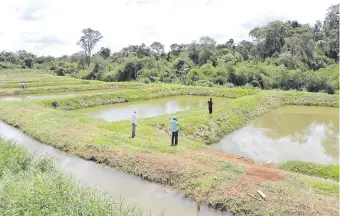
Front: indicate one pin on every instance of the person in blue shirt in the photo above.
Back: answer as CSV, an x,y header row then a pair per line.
x,y
174,129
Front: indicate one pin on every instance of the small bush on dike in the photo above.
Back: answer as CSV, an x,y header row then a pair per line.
x,y
312,169
31,186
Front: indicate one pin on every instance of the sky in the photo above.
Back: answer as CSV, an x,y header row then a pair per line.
x,y
53,27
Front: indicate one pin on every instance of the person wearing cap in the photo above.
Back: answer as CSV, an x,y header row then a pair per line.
x,y
210,105
134,123
174,129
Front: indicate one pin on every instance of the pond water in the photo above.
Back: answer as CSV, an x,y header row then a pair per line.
x,y
150,108
146,196
288,133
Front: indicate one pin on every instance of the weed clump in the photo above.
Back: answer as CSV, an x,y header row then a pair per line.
x,y
55,104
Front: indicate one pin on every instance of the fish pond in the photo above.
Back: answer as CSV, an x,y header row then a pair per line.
x,y
150,108
289,133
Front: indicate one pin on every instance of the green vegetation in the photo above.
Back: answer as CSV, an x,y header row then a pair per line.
x,y
41,83
328,187
313,169
53,83
192,168
32,186
283,55
84,101
68,88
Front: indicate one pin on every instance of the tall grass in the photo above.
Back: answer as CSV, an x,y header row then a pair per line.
x,y
34,187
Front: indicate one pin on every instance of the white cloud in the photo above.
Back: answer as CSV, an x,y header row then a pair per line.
x,y
52,27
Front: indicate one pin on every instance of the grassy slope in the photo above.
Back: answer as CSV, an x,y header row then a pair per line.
x,y
205,175
313,169
70,88
11,77
42,83
33,187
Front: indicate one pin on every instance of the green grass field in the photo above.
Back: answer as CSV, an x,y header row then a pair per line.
x,y
32,186
193,168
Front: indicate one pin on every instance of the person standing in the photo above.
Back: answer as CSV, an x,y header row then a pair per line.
x,y
134,123
174,129
210,105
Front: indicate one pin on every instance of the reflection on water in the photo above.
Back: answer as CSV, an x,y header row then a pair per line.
x,y
147,196
149,108
288,133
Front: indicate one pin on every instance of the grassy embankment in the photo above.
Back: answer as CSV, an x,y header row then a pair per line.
x,y
26,75
313,169
84,101
71,88
31,186
206,175
41,83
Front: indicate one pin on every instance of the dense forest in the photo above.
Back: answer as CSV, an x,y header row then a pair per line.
x,y
284,55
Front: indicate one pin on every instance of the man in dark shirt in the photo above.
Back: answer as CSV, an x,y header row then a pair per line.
x,y
210,104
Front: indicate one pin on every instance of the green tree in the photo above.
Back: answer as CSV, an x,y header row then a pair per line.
x,y
318,31
193,52
88,41
157,47
28,62
80,59
105,52
270,38
301,45
207,50
244,48
331,27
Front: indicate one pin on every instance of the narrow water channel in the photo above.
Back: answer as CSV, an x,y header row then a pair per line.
x,y
55,95
289,133
146,196
150,108
34,97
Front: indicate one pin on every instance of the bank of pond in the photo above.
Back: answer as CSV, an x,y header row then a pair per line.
x,y
298,133
37,173
301,139
132,195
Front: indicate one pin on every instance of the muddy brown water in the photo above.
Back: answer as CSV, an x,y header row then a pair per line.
x,y
289,133
146,196
150,108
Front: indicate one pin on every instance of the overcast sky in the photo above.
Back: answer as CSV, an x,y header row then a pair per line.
x,y
53,27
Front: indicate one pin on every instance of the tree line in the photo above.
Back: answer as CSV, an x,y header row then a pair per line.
x,y
285,55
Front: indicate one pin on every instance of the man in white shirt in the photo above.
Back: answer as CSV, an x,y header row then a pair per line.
x,y
134,123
